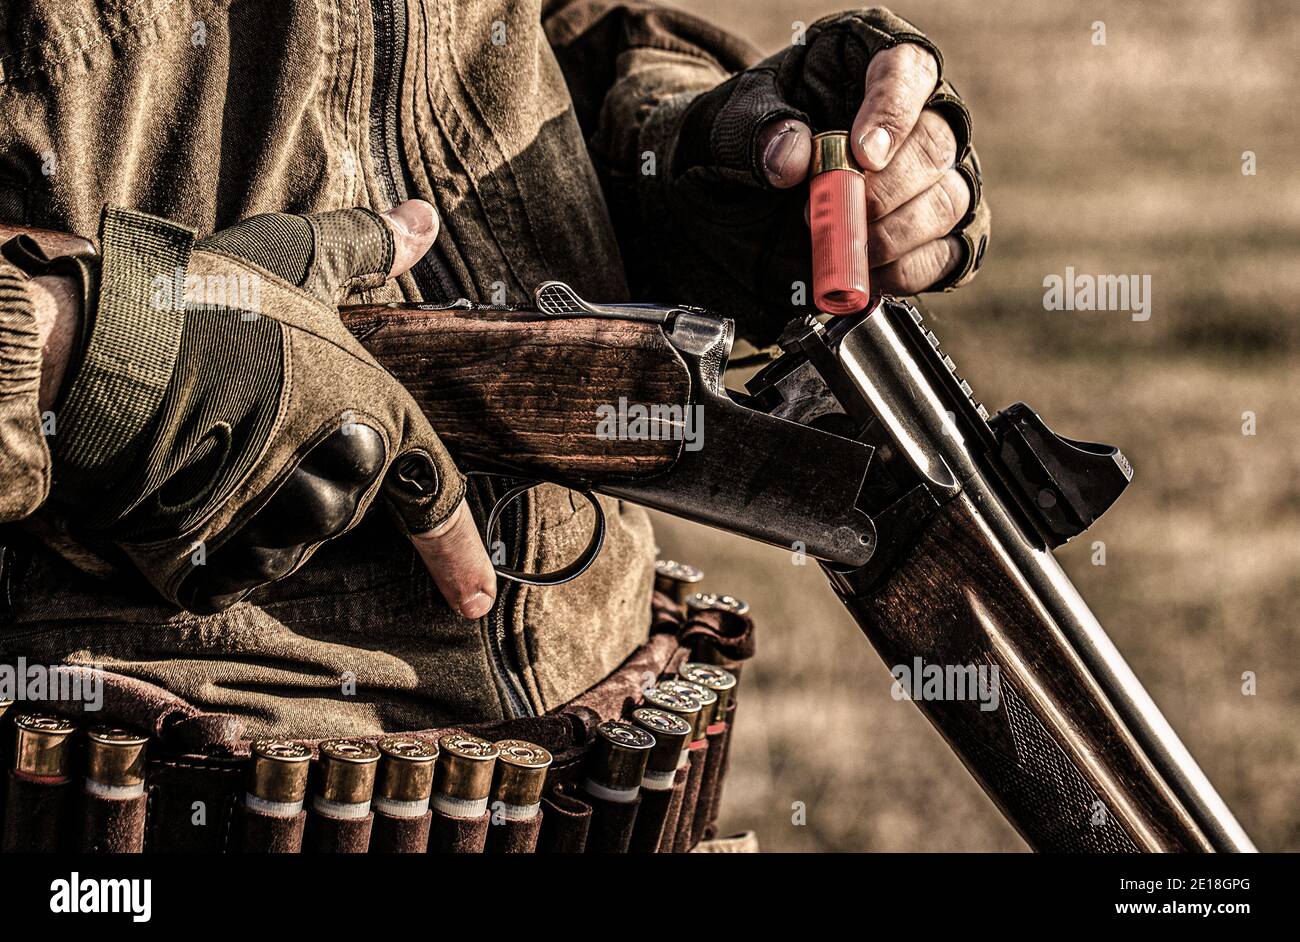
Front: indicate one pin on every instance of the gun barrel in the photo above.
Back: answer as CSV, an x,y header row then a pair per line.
x,y
1068,743
1131,700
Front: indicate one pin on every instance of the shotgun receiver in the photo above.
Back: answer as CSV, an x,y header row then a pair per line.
x,y
862,447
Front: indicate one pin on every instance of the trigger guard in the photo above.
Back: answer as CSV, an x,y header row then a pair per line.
x,y
564,574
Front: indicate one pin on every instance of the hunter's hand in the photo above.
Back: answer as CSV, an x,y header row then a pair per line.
x,y
915,195
253,427
453,552
739,155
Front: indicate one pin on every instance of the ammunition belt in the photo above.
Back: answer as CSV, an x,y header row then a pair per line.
x,y
623,768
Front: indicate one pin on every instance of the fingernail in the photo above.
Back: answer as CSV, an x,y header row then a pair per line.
x,y
476,606
778,152
875,145
414,217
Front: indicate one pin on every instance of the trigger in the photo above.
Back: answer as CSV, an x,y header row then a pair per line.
x,y
559,576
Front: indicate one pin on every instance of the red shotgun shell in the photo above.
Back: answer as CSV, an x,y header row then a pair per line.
x,y
838,217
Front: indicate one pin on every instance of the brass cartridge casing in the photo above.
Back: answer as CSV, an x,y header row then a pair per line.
x,y
718,679
278,772
672,577
708,701
43,745
683,703
672,734
711,601
115,757
618,755
405,768
520,772
347,770
465,767
831,152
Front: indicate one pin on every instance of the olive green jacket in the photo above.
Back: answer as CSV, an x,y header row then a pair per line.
x,y
513,118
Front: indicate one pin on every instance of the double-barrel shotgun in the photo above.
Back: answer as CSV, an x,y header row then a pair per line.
x,y
860,446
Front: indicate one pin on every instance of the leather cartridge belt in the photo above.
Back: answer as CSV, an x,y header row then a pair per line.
x,y
622,768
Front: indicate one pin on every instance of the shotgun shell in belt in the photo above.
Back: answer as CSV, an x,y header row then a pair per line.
x,y
462,780
672,577
115,762
672,735
708,701
347,778
405,778
837,215
520,777
718,679
682,703
42,750
617,761
711,601
278,777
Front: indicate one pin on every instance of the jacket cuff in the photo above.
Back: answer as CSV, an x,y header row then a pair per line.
x,y
129,357
24,457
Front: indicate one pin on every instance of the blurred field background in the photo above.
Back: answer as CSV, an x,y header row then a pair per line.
x,y
1122,158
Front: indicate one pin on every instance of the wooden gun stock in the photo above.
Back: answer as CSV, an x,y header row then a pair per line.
x,y
522,393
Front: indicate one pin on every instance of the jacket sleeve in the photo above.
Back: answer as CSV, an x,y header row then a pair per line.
x,y
621,60
24,456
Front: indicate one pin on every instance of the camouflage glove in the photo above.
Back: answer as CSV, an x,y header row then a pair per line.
x,y
747,236
221,423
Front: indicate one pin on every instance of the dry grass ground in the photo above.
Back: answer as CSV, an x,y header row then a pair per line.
x,y
1123,158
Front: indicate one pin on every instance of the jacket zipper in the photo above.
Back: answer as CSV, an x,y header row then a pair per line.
x,y
436,281
433,276
498,624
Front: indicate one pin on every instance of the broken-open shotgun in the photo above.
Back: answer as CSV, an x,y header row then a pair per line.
x,y
862,447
